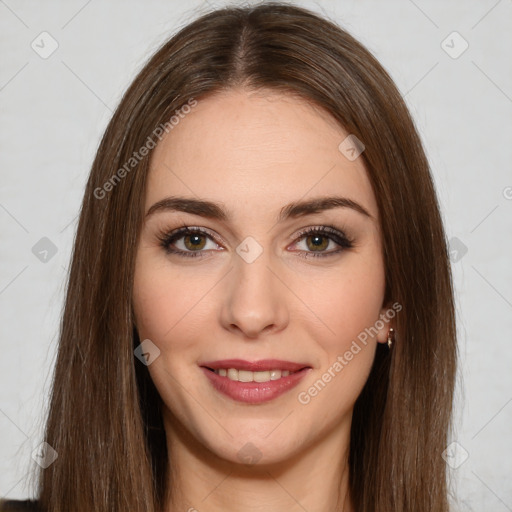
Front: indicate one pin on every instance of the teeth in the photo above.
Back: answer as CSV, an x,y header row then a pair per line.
x,y
247,376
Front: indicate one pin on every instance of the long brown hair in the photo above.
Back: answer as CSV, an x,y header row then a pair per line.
x,y
105,414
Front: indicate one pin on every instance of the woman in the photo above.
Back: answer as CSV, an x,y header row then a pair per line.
x,y
260,311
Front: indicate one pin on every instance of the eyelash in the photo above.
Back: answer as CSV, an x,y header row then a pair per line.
x,y
330,232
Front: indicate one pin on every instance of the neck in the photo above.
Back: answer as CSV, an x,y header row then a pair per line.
x,y
315,478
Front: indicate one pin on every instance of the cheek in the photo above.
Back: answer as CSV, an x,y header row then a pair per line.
x,y
151,306
348,309
163,300
347,303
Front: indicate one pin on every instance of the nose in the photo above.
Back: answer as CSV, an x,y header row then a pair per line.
x,y
256,298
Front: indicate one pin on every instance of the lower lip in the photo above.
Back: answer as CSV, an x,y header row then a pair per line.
x,y
254,392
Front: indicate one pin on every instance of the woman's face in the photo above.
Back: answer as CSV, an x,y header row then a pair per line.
x,y
251,286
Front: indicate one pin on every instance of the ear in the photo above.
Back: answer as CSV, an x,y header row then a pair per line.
x,y
386,321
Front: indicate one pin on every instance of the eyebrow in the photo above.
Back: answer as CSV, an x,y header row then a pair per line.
x,y
216,211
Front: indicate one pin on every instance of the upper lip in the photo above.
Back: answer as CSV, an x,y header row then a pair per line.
x,y
255,366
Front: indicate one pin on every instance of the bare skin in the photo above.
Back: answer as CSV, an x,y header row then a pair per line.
x,y
254,153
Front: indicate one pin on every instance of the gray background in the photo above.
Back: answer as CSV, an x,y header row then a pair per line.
x,y
54,110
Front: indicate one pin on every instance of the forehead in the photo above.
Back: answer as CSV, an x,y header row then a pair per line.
x,y
255,151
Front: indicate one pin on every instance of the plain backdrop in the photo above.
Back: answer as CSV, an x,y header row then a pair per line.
x,y
451,61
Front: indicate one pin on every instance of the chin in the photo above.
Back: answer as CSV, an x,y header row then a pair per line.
x,y
246,447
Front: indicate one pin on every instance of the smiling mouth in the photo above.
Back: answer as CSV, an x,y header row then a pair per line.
x,y
254,382
260,371
250,376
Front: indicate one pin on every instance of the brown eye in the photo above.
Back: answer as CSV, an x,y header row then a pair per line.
x,y
187,242
193,242
318,242
318,239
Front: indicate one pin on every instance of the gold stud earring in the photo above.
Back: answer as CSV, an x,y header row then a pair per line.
x,y
390,337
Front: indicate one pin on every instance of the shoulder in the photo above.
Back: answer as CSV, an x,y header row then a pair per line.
x,y
19,505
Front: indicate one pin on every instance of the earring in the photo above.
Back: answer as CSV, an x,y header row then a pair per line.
x,y
390,337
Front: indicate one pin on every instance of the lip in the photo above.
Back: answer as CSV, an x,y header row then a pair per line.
x,y
255,392
255,366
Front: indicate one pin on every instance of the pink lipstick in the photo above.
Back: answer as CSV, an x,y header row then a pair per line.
x,y
254,382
